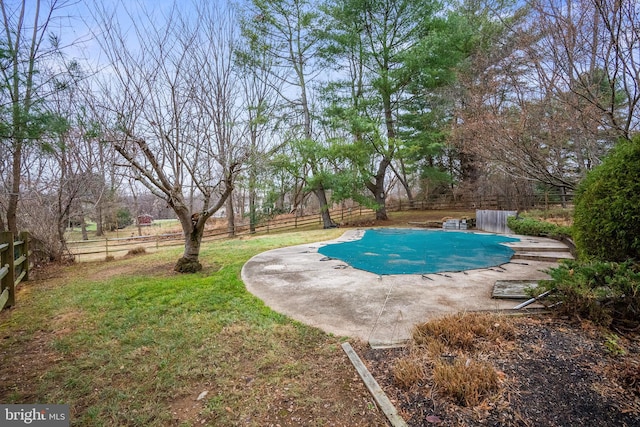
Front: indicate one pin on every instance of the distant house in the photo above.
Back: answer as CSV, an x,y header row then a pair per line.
x,y
145,219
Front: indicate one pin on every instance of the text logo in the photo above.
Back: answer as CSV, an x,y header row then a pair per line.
x,y
34,415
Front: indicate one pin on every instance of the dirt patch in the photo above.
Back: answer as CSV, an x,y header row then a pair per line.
x,y
188,409
121,267
117,268
554,373
64,323
24,364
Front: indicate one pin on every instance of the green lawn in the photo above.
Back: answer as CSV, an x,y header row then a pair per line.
x,y
130,342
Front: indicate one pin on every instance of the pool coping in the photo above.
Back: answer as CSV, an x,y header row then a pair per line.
x,y
381,309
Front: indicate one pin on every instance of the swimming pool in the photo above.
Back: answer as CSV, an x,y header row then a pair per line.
x,y
410,251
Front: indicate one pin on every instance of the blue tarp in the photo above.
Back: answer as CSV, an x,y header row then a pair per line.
x,y
408,251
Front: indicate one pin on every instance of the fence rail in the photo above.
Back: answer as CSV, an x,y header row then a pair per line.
x,y
545,200
87,250
14,260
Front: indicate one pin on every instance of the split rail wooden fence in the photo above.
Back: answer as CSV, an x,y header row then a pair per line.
x,y
97,249
14,266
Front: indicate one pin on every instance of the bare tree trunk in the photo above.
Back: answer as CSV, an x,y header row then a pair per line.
x,y
381,200
563,196
193,228
99,226
83,226
404,181
231,218
252,201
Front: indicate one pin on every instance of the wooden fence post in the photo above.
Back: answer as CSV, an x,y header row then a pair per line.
x,y
546,201
8,281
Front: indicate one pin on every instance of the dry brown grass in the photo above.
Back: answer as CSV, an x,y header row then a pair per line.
x,y
626,372
464,331
138,250
468,381
445,357
409,371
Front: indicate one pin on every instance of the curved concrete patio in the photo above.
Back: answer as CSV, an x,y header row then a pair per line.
x,y
328,294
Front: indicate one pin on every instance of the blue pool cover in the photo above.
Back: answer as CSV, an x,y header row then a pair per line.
x,y
408,251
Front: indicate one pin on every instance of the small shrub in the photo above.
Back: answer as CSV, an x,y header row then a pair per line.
x,y
613,346
462,331
138,250
409,371
528,226
466,382
444,356
606,293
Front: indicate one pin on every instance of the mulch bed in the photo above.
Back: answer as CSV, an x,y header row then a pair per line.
x,y
556,373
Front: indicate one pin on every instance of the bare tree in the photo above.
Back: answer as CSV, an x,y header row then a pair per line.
x,y
217,90
104,178
26,44
171,98
588,55
547,100
260,120
62,174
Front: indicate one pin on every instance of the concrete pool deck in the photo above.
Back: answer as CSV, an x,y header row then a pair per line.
x,y
326,293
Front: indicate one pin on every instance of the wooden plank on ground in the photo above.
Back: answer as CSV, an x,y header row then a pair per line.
x,y
374,388
513,289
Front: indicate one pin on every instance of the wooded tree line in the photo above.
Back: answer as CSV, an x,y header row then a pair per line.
x,y
261,106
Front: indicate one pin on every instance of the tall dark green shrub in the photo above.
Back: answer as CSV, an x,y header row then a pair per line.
x,y
607,211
